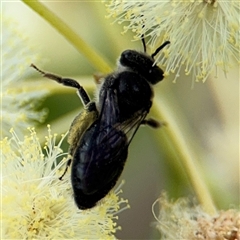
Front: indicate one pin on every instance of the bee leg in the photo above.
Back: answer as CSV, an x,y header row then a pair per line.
x,y
67,166
153,123
67,82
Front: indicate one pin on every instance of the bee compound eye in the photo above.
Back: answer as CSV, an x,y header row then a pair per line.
x,y
126,58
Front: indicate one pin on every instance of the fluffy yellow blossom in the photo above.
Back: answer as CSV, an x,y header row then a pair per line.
x,y
203,34
184,220
37,205
18,103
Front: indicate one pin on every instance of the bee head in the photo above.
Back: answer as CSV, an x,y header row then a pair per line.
x,y
143,64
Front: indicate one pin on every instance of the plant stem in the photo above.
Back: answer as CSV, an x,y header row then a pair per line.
x,y
93,57
186,155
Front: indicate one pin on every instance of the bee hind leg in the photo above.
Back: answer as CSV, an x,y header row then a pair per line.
x,y
65,171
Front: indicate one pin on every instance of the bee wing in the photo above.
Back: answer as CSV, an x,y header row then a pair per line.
x,y
99,159
109,110
110,116
130,126
104,148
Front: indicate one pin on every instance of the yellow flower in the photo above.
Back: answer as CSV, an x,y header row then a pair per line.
x,y
37,205
184,220
203,34
18,101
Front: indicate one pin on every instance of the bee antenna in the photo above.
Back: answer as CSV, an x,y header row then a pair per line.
x,y
144,44
36,68
160,48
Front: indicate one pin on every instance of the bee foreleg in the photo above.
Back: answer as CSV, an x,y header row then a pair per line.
x,y
67,82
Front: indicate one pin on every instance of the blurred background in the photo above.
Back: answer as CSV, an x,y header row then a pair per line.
x,y
209,113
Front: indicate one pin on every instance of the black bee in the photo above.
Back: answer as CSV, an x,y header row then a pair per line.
x,y
100,135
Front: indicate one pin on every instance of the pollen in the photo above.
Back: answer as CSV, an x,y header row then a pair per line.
x,y
184,219
202,33
37,205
